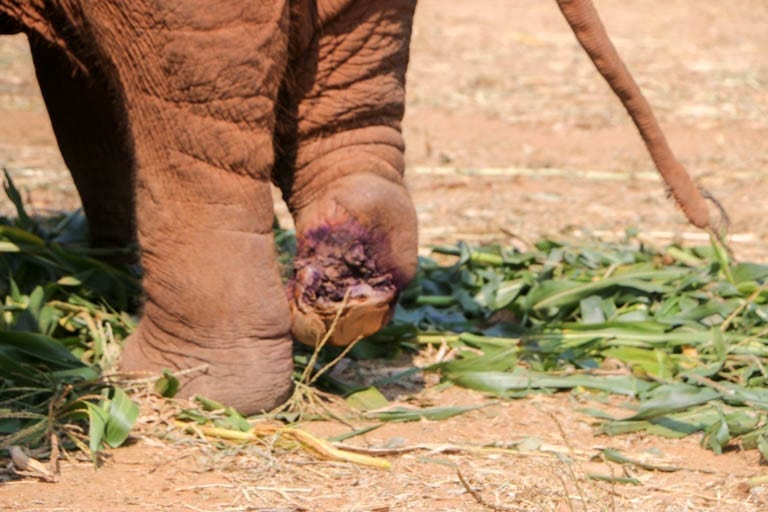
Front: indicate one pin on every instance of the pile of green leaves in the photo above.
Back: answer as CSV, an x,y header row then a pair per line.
x,y
683,332
63,314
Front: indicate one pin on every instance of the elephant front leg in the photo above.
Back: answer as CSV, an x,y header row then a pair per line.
x,y
341,169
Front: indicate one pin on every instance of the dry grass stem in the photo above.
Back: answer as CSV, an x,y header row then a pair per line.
x,y
306,376
137,378
742,306
482,501
287,437
24,465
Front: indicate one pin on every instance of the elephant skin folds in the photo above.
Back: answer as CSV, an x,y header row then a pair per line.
x,y
212,100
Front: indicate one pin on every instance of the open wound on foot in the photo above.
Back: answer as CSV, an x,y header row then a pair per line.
x,y
331,262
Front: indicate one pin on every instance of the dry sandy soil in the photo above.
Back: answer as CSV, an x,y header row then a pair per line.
x,y
511,135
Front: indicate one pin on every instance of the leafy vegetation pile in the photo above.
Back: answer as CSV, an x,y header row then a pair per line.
x,y
683,332
63,316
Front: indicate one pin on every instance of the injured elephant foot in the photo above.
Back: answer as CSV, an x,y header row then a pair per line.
x,y
356,250
337,274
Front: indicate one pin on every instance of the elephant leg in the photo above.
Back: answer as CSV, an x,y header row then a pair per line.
x,y
91,129
200,84
341,165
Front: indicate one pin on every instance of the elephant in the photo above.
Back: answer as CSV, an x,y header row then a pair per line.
x,y
174,116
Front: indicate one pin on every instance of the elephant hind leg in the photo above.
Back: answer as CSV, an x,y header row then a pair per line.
x,y
217,312
340,168
201,101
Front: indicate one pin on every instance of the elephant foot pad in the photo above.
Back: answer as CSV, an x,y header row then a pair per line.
x,y
334,261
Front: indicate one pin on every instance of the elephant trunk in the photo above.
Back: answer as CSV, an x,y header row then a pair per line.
x,y
590,32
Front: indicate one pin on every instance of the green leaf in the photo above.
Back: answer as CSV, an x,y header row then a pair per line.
x,y
13,194
208,404
24,238
38,348
671,398
736,394
123,413
440,301
69,281
596,413
97,426
592,310
6,246
762,446
358,432
404,414
494,359
367,399
168,385
233,420
744,272
717,436
742,422
501,383
502,295
552,294
618,457
673,425
655,362
29,433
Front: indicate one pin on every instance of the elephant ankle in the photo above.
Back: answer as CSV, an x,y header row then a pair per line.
x,y
252,376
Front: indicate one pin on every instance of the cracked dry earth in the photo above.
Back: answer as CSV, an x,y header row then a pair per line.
x,y
511,136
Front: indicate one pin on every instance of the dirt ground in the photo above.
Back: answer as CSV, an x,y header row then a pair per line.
x,y
511,135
